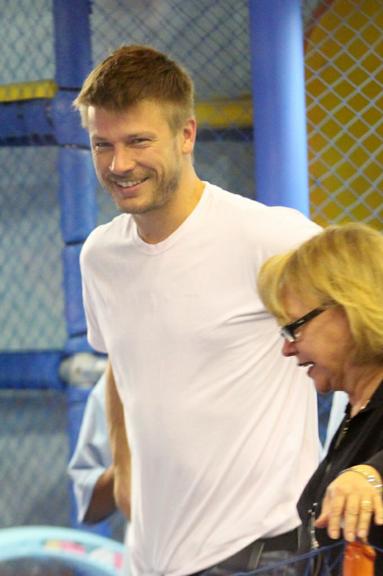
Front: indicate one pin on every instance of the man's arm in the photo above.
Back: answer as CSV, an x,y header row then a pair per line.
x,y
102,503
119,444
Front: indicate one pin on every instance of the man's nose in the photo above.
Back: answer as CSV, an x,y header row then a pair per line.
x,y
122,161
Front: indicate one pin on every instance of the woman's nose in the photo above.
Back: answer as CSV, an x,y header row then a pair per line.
x,y
288,348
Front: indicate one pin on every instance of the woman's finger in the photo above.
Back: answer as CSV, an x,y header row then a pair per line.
x,y
366,508
351,517
378,507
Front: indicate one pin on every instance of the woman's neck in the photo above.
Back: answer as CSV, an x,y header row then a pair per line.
x,y
362,385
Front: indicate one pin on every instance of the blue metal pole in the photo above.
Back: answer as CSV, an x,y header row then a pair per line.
x,y
280,140
72,42
77,190
77,182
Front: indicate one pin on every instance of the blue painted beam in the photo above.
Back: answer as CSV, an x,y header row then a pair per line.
x,y
34,369
72,42
280,142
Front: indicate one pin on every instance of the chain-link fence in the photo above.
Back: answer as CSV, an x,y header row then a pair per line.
x,y
344,80
344,73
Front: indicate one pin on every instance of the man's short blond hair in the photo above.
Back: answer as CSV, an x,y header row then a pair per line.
x,y
136,73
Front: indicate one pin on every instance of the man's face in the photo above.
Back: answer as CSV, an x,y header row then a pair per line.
x,y
138,158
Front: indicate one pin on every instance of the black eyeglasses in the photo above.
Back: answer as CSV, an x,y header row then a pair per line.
x,y
288,331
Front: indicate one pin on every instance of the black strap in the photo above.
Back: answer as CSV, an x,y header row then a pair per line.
x,y
248,558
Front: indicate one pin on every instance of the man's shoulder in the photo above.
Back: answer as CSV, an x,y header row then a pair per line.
x,y
265,229
231,201
253,208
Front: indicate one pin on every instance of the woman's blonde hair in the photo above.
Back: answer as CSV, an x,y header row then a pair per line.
x,y
342,265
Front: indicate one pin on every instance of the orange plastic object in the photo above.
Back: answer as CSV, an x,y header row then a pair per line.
x,y
358,559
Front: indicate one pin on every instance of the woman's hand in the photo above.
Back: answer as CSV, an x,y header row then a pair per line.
x,y
350,502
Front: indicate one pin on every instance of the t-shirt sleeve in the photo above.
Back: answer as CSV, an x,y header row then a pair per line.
x,y
275,229
89,296
94,333
290,228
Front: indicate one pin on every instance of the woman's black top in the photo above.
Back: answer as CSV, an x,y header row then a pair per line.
x,y
358,440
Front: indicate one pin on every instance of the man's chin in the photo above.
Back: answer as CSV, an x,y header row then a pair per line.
x,y
129,205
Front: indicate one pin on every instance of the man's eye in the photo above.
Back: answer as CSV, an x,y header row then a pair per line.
x,y
100,145
139,141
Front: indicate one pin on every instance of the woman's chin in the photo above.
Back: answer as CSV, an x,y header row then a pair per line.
x,y
322,386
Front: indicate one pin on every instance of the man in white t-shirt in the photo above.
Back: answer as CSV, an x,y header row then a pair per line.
x,y
213,433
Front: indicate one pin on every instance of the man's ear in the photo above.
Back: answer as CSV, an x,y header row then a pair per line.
x,y
189,134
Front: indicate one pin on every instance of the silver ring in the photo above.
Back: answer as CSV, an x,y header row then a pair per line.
x,y
366,505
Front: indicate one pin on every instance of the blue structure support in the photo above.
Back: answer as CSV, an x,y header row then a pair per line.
x,y
77,182
280,140
77,192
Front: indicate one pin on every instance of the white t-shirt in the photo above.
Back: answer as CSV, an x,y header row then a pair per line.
x,y
222,428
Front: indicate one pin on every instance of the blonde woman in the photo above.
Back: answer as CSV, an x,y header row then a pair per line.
x,y
327,295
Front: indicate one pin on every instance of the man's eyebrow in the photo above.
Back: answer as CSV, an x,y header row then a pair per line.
x,y
141,134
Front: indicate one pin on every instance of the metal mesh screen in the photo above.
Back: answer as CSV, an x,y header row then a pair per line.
x,y
31,311
209,38
26,41
33,423
344,78
33,455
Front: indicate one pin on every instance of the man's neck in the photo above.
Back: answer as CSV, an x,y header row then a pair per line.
x,y
157,225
